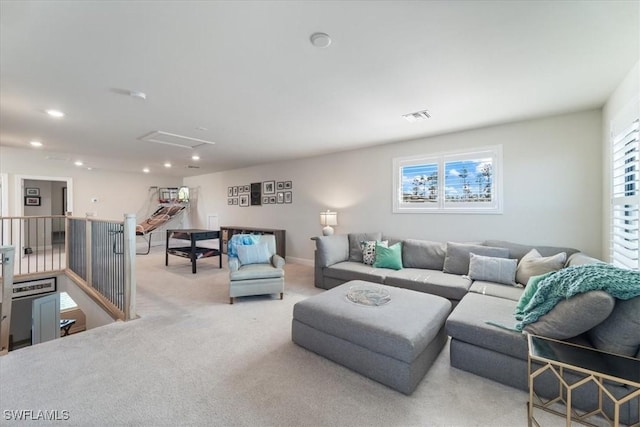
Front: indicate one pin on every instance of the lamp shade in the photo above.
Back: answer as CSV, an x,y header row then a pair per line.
x,y
328,218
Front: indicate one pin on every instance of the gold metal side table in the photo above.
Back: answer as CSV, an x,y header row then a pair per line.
x,y
593,366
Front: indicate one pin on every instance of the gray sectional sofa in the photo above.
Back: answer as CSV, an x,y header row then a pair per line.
x,y
477,344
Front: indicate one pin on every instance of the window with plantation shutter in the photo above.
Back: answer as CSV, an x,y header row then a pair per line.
x,y
625,191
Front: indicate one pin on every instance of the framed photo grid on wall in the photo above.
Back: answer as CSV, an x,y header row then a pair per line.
x,y
270,192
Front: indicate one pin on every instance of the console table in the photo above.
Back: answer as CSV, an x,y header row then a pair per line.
x,y
596,366
229,231
193,251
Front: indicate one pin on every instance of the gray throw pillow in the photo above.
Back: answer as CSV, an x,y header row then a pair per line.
x,y
620,332
355,251
492,269
534,264
573,316
458,255
423,254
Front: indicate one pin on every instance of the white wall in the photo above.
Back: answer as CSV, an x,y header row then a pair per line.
x,y
627,92
552,189
117,193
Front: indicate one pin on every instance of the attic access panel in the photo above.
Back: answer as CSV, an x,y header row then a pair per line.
x,y
167,138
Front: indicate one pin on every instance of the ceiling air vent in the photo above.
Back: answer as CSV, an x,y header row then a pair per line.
x,y
192,167
417,116
172,139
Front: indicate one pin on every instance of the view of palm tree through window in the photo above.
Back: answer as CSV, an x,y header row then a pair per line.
x,y
464,181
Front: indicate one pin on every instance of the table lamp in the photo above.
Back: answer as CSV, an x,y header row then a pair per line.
x,y
328,219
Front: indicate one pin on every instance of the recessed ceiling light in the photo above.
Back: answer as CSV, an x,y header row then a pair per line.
x,y
78,163
89,168
195,157
167,165
320,40
55,113
36,143
145,170
417,116
137,94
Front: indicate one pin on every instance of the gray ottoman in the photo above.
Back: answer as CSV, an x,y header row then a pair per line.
x,y
394,343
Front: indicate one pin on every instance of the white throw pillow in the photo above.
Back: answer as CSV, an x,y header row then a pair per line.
x,y
253,254
534,264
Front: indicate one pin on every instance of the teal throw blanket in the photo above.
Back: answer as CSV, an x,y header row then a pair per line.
x,y
619,283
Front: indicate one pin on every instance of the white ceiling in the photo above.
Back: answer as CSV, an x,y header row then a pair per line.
x,y
247,72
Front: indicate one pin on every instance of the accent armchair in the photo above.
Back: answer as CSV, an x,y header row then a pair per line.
x,y
257,269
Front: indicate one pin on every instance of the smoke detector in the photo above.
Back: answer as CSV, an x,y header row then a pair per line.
x,y
320,40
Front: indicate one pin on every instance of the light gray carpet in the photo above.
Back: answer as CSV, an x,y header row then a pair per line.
x,y
194,359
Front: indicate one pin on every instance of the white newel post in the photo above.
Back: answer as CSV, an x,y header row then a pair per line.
x,y
129,266
7,253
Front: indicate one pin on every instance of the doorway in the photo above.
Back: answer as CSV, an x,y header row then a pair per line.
x,y
43,196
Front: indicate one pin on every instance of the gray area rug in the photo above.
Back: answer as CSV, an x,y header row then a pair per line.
x,y
194,359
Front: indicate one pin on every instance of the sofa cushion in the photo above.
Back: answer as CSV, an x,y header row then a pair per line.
x,y
349,270
573,316
620,332
423,254
492,269
332,249
450,286
496,290
457,256
389,257
368,248
518,251
534,264
468,323
355,252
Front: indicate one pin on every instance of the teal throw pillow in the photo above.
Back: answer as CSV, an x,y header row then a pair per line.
x,y
390,257
530,290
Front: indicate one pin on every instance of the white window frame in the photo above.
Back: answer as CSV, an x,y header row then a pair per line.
x,y
441,205
624,236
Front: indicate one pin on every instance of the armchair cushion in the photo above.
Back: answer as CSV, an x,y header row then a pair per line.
x,y
256,271
253,254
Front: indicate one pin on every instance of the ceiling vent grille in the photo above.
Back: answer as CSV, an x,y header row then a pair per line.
x,y
417,116
167,138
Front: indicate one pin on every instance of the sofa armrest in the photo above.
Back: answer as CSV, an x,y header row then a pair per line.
x,y
234,264
332,249
277,261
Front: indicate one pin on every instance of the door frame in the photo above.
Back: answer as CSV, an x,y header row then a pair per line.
x,y
18,208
